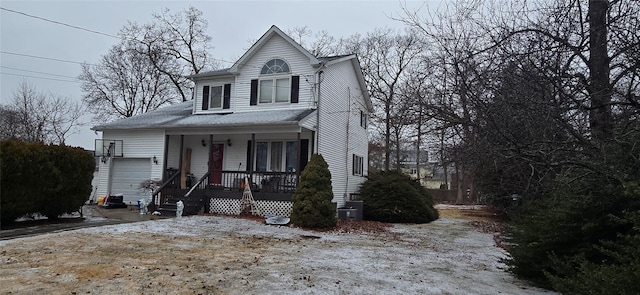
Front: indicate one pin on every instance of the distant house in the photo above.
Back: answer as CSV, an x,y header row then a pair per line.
x,y
262,118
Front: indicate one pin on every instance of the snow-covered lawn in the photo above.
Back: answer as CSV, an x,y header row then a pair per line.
x,y
224,255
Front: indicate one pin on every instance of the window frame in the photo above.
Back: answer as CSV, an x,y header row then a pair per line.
x,y
283,155
225,98
274,88
363,119
211,86
357,165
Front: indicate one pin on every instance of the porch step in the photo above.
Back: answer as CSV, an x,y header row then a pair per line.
x,y
192,206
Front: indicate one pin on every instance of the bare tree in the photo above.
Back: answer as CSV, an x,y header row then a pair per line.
x,y
319,44
37,117
176,45
149,67
386,58
124,84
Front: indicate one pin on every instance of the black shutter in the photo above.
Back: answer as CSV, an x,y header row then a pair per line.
x,y
254,92
205,98
295,88
304,154
226,103
249,161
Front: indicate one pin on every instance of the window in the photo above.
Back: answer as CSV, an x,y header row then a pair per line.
x,y
216,96
278,156
275,90
291,163
276,84
357,165
363,119
275,66
262,154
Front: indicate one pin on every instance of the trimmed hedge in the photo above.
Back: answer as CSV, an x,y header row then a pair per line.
x,y
390,196
312,207
46,179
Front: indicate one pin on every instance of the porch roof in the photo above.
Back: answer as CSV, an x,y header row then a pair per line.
x,y
180,116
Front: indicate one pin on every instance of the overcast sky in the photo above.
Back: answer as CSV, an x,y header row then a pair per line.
x,y
232,24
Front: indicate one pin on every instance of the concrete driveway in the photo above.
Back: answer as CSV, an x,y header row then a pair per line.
x,y
93,215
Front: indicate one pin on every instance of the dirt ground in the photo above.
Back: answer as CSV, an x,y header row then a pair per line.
x,y
226,255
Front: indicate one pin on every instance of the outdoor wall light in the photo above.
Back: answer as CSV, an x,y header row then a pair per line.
x,y
155,160
229,142
204,143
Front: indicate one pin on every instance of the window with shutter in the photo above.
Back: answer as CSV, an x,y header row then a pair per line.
x,y
213,96
276,84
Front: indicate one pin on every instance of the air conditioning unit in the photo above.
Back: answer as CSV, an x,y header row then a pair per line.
x,y
347,214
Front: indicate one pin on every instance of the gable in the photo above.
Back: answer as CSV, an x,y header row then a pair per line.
x,y
273,31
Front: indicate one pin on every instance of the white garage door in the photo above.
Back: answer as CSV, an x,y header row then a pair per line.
x,y
126,177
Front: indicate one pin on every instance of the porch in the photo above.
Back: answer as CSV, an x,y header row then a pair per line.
x,y
219,186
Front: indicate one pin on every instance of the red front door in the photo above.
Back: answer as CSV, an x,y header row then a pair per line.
x,y
215,163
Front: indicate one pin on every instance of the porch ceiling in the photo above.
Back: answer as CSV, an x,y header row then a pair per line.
x,y
180,116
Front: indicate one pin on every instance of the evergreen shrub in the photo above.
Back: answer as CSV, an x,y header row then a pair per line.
x,y
578,236
390,196
46,179
312,207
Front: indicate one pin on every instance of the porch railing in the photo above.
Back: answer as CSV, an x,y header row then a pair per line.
x,y
172,183
276,182
200,184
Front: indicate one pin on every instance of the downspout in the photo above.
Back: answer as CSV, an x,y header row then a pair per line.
x,y
319,73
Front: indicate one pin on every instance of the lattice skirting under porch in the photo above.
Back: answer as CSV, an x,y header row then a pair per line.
x,y
232,207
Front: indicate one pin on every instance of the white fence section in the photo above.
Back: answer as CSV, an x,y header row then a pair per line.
x,y
232,207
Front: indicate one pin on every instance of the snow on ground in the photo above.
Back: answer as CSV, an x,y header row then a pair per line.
x,y
224,255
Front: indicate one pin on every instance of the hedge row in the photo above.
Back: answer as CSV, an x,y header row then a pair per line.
x,y
46,179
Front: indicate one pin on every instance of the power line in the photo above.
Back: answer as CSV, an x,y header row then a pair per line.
x,y
47,58
60,23
44,78
89,30
43,73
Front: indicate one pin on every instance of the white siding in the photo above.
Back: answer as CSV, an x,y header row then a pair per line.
x,y
340,105
299,65
198,94
135,144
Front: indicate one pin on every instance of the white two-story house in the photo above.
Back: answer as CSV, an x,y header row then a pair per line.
x,y
260,119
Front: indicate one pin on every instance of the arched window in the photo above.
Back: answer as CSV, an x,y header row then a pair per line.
x,y
275,84
275,66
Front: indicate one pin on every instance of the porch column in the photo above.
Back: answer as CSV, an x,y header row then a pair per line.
x,y
180,162
164,167
166,155
298,160
209,155
253,155
313,142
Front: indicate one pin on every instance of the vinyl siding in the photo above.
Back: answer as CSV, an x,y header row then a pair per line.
x,y
218,82
299,65
339,92
136,144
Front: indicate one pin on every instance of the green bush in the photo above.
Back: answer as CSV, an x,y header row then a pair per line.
x,y
36,178
312,207
617,273
566,237
26,178
75,167
390,196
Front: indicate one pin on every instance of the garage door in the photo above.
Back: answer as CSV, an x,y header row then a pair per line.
x,y
126,177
